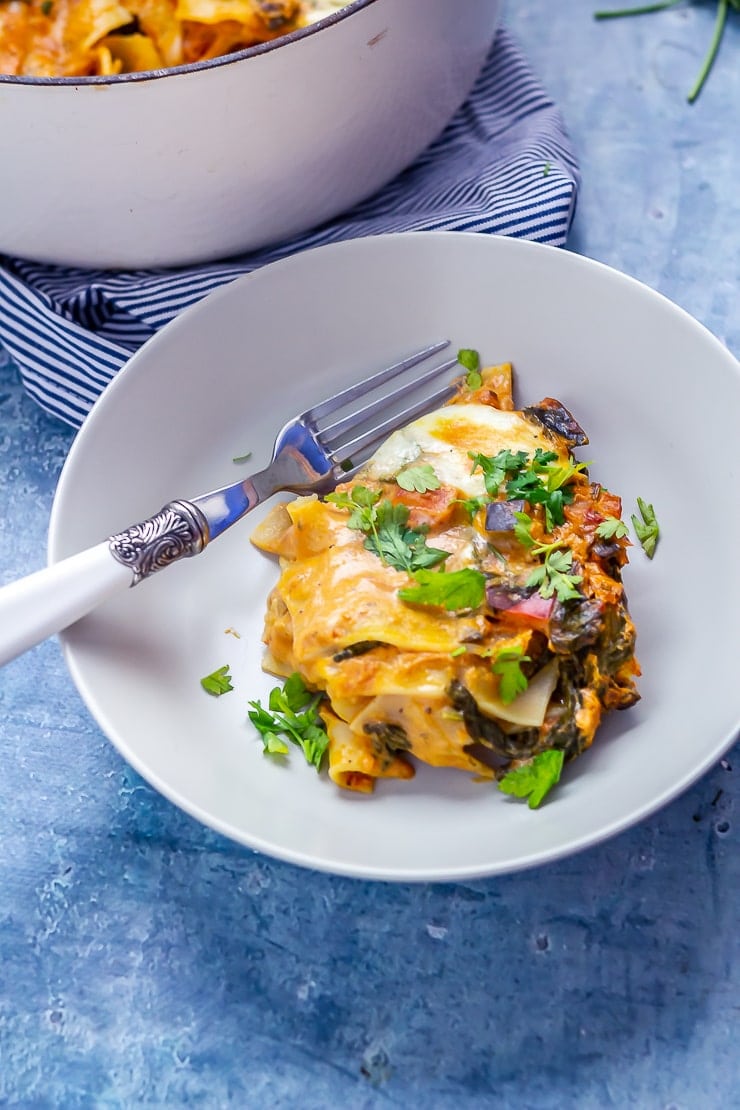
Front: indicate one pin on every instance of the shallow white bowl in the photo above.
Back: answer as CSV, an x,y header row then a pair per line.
x,y
660,399
211,159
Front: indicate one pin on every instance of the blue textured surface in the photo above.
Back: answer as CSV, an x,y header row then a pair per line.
x,y
147,961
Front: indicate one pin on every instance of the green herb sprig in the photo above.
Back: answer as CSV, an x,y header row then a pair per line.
x,y
420,478
535,779
470,360
723,10
647,530
387,530
512,679
535,480
292,715
553,576
496,468
453,590
612,527
217,683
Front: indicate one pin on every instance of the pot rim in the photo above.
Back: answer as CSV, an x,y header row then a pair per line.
x,y
349,9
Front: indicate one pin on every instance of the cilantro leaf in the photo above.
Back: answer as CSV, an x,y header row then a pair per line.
x,y
457,589
269,728
295,694
612,527
646,530
554,576
513,681
496,467
472,505
470,360
361,503
398,545
420,478
542,459
523,529
535,778
528,486
292,715
387,531
217,683
559,476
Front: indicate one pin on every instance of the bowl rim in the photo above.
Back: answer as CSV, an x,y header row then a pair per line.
x,y
352,7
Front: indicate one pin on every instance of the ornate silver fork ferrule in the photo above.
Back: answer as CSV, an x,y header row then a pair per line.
x,y
177,531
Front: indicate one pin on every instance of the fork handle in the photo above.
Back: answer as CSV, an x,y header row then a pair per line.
x,y
51,599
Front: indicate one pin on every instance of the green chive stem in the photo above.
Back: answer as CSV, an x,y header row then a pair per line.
x,y
643,9
719,27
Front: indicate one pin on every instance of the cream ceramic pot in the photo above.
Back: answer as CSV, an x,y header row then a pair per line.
x,y
208,160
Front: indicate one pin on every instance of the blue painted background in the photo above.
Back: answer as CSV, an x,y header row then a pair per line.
x,y
145,961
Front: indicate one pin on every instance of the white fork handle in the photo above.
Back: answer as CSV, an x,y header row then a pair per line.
x,y
51,599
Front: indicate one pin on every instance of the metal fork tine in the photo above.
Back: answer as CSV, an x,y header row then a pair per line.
x,y
373,435
331,404
356,419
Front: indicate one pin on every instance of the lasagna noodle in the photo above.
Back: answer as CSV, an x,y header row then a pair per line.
x,y
356,760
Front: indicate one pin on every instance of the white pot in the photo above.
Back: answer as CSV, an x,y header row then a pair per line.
x,y
211,159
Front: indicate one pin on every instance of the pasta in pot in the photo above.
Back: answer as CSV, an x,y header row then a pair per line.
x,y
79,38
460,600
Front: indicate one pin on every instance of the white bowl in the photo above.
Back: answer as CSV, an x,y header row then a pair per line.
x,y
211,159
659,397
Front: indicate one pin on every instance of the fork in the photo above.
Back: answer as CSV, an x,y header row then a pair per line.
x,y
310,455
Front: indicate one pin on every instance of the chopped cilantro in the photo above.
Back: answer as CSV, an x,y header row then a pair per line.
x,y
470,360
523,529
534,779
496,467
420,478
472,505
453,590
362,505
513,681
217,683
536,481
546,485
387,531
612,527
646,530
542,459
292,714
553,575
398,545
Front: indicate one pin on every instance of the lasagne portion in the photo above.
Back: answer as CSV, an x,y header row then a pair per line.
x,y
459,601
80,38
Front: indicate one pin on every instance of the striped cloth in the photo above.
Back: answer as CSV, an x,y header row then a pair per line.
x,y
504,165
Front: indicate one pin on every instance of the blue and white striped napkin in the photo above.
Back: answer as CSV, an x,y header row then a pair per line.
x,y
503,166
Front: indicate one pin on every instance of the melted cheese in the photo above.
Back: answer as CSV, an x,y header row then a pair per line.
x,y
443,439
